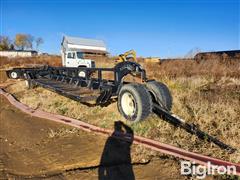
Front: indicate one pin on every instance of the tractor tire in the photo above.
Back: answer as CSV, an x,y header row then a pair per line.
x,y
134,102
160,94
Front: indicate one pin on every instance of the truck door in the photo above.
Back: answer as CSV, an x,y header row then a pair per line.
x,y
71,59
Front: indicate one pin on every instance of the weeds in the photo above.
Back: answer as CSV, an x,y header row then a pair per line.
x,y
30,61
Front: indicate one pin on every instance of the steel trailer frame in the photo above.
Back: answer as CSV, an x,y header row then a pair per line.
x,y
61,76
70,76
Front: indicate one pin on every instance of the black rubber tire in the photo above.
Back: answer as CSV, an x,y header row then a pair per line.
x,y
161,94
142,99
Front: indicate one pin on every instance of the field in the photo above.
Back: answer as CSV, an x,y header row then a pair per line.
x,y
206,93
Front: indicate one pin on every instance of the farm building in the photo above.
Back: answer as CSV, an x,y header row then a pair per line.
x,y
233,54
18,53
89,47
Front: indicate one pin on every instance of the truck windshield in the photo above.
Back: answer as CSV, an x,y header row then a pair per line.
x,y
79,55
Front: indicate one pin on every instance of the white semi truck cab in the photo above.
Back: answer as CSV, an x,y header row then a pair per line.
x,y
76,59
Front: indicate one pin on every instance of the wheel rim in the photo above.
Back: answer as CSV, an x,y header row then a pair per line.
x,y
82,74
128,104
14,75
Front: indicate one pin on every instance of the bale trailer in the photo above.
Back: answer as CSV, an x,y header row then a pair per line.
x,y
135,101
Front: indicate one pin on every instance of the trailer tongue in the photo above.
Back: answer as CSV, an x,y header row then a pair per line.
x,y
135,100
190,128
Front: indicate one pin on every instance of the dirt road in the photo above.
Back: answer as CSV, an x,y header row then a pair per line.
x,y
35,148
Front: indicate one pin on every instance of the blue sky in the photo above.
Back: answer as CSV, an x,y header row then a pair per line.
x,y
153,28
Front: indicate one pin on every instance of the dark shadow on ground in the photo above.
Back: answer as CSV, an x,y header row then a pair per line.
x,y
116,157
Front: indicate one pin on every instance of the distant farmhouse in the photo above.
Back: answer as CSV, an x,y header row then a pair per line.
x,y
89,47
233,54
18,53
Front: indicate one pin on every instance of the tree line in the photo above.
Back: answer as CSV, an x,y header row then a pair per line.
x,y
20,42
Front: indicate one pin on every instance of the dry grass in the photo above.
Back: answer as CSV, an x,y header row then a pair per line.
x,y
62,132
188,68
29,61
205,94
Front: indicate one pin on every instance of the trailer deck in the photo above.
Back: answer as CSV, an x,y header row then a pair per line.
x,y
72,91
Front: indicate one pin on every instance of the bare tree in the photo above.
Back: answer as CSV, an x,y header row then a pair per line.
x,y
38,41
5,43
30,40
192,52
